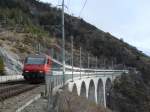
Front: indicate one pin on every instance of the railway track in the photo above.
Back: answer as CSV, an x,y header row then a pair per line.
x,y
12,82
11,89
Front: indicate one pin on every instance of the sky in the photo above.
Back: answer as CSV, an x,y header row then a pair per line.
x,y
127,19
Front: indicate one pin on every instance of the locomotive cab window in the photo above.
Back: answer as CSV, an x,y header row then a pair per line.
x,y
35,60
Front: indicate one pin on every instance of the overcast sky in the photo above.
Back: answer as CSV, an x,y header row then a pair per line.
x,y
127,19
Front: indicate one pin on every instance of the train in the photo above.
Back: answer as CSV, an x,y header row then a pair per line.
x,y
36,67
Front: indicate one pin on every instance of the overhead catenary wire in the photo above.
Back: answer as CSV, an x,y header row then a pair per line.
x,y
68,7
83,7
58,2
68,4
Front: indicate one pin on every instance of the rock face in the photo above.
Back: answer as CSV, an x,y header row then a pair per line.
x,y
13,66
130,94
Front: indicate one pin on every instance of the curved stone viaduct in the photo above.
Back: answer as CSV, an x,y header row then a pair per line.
x,y
96,88
95,85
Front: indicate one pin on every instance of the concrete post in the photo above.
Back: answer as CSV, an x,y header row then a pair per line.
x,y
88,64
50,97
80,61
63,42
72,56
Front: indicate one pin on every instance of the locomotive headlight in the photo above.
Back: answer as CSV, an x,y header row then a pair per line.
x,y
41,71
26,71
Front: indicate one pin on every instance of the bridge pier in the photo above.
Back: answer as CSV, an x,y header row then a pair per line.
x,y
104,95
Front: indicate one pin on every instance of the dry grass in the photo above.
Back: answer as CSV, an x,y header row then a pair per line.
x,y
22,43
68,102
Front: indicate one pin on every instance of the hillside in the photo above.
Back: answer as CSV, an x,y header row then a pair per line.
x,y
25,23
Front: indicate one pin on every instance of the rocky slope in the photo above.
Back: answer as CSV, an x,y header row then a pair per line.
x,y
13,65
130,94
24,23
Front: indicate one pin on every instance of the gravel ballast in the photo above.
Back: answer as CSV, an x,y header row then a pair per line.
x,y
12,104
38,106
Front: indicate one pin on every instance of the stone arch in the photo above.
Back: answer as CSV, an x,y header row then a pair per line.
x,y
108,86
100,92
83,89
91,92
66,87
74,89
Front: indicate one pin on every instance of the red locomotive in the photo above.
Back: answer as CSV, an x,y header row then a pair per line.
x,y
36,67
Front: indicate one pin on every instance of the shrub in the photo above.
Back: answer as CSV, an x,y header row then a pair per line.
x,y
1,66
